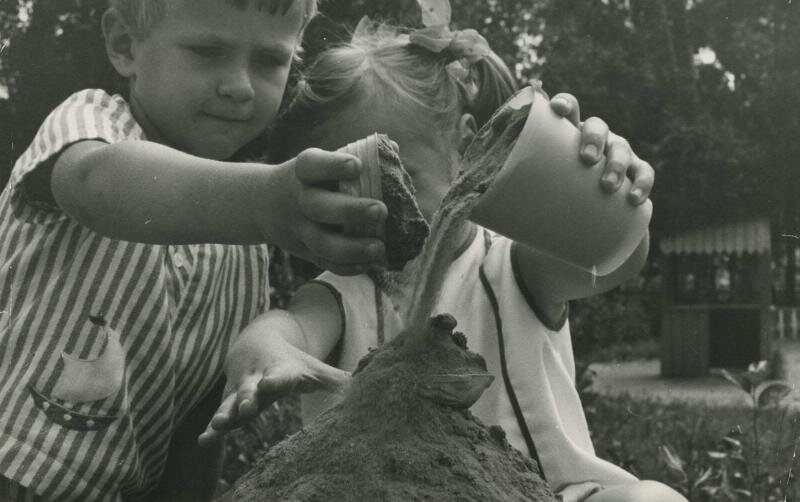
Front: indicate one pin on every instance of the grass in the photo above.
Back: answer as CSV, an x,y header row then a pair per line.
x,y
630,433
644,348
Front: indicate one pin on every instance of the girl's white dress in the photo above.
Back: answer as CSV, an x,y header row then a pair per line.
x,y
533,397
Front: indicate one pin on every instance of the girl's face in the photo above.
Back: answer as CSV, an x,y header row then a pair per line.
x,y
429,152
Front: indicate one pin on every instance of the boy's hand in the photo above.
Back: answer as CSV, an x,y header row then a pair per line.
x,y
259,378
596,140
308,213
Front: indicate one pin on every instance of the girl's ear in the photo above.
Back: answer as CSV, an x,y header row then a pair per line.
x,y
119,42
467,128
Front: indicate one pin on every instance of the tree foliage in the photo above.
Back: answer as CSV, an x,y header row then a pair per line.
x,y
633,63
53,50
719,131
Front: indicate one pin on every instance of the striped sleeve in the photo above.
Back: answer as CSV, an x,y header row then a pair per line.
x,y
91,114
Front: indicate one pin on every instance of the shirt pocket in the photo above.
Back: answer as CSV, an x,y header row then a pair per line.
x,y
88,394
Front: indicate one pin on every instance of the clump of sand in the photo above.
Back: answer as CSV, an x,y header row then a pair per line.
x,y
405,228
391,439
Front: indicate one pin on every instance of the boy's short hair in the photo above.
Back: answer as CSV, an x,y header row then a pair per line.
x,y
143,15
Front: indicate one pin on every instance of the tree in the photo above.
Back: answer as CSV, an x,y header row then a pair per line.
x,y
708,127
10,23
720,132
54,53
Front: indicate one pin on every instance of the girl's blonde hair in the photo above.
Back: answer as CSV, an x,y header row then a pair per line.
x,y
143,15
387,66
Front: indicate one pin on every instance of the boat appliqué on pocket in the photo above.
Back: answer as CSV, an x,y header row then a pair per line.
x,y
85,395
92,379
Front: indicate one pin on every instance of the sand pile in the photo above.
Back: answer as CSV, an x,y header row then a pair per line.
x,y
392,438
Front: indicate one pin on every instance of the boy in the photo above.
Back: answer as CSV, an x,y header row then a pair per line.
x,y
132,251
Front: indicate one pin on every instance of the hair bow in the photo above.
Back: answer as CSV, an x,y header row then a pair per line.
x,y
465,46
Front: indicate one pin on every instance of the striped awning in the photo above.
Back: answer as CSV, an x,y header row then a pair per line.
x,y
739,237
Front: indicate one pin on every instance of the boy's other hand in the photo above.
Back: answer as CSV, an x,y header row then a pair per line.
x,y
312,213
596,141
257,381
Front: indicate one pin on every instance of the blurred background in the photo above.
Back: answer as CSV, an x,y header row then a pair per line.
x,y
705,90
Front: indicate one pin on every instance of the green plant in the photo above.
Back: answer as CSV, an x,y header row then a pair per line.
x,y
603,326
737,469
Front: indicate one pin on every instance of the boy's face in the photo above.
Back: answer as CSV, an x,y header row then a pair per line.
x,y
209,77
429,153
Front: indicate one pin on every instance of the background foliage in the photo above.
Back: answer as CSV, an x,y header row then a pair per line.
x,y
706,90
714,449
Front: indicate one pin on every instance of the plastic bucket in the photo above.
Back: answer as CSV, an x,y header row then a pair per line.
x,y
545,197
366,185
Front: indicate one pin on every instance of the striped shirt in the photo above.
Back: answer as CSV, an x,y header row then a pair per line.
x,y
105,345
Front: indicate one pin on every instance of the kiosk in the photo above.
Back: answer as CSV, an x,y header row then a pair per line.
x,y
717,298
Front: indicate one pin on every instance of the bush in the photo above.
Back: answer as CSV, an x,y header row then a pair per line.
x,y
625,316
708,455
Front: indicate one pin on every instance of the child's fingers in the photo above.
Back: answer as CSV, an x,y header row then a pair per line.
x,y
213,433
287,380
336,208
643,179
332,249
226,414
566,105
315,166
619,157
594,133
278,383
210,437
247,406
238,407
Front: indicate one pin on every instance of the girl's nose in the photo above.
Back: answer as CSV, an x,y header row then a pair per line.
x,y
237,86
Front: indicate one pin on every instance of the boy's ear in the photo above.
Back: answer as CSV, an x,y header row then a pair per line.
x,y
467,128
119,42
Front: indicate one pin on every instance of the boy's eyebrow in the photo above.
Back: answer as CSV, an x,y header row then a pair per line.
x,y
278,50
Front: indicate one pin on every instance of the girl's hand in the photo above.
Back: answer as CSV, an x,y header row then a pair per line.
x,y
596,140
260,371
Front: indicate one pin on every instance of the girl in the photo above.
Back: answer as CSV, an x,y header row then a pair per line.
x,y
510,301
